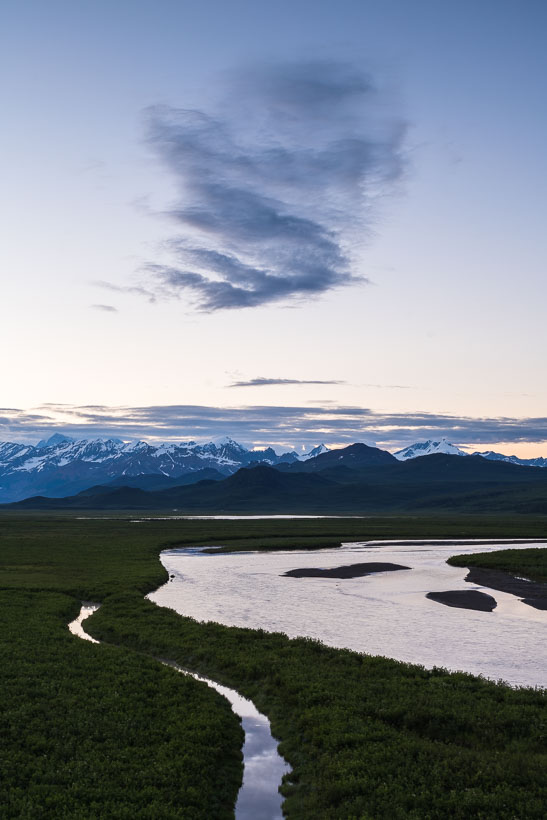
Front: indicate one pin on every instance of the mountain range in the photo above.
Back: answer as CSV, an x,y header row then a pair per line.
x,y
357,479
58,467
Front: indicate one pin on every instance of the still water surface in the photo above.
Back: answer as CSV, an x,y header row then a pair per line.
x,y
384,614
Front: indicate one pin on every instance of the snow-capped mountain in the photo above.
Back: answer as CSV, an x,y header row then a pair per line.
x,y
427,448
316,451
60,466
524,462
56,438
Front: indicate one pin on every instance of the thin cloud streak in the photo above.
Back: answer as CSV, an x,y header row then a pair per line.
x,y
131,289
388,386
105,308
277,185
263,382
257,424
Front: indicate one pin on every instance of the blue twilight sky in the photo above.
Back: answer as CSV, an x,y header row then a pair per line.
x,y
290,222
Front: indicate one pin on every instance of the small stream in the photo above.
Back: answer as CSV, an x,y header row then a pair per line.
x,y
258,797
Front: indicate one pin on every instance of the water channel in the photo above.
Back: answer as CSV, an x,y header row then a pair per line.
x,y
263,767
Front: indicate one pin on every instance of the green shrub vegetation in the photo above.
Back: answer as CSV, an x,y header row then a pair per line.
x,y
92,731
106,731
531,563
366,736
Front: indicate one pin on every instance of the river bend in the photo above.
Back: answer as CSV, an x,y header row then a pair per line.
x,y
263,767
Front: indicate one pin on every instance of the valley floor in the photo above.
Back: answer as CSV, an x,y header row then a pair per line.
x,y
107,731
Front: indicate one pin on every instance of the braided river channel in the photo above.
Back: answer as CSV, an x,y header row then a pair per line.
x,y
385,613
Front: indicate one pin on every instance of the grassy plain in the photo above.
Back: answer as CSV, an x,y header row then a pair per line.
x,y
105,731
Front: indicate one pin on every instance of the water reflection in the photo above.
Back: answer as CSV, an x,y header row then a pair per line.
x,y
258,797
233,517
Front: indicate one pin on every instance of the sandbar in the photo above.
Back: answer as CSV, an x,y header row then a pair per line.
x,y
348,571
464,599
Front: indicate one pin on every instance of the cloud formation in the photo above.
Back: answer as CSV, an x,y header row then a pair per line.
x,y
134,289
258,425
105,308
263,382
277,185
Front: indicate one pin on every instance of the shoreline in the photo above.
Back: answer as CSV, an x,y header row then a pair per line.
x,y
532,593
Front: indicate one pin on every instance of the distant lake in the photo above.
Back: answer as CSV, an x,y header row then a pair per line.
x,y
238,517
382,614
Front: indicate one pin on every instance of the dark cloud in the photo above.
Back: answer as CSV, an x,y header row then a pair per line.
x,y
262,382
276,187
259,424
105,308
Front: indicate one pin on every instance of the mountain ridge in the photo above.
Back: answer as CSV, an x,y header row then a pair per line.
x,y
60,466
438,483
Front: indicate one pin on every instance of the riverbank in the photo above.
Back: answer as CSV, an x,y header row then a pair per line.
x,y
522,573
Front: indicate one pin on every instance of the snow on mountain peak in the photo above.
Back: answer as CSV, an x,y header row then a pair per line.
x,y
134,446
427,448
315,451
224,441
491,455
52,441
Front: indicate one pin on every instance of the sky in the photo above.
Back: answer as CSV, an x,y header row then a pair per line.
x,y
288,222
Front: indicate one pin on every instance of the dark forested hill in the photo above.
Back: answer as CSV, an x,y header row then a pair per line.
x,y
431,483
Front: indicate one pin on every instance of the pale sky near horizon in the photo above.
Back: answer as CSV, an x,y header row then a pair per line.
x,y
420,167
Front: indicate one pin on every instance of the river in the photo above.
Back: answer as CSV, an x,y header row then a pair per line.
x,y
382,614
